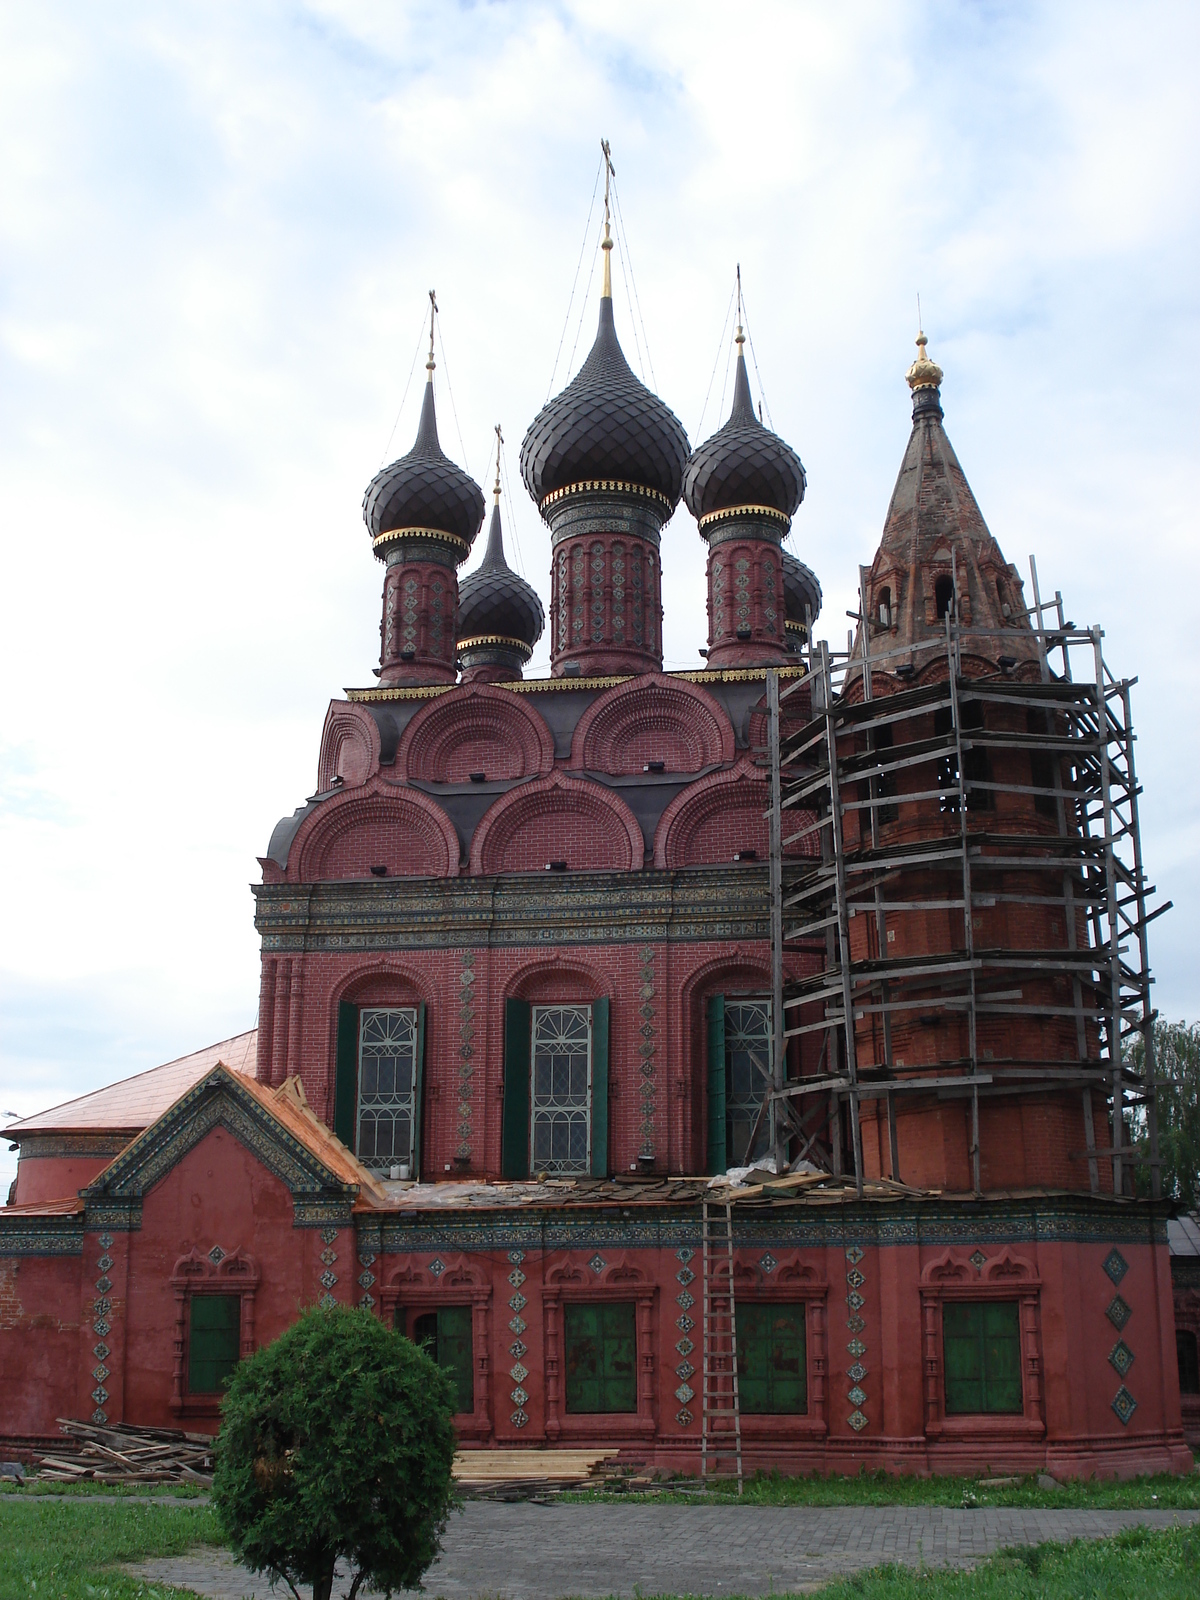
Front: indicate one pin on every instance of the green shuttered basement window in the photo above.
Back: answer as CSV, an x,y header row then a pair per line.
x,y
214,1339
982,1346
445,1335
772,1362
601,1357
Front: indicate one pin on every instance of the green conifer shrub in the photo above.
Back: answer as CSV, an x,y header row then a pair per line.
x,y
336,1443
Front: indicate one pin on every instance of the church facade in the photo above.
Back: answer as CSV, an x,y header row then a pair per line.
x,y
515,1027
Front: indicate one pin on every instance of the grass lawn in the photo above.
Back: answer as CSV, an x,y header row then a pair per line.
x,y
1163,1493
1138,1564
62,1550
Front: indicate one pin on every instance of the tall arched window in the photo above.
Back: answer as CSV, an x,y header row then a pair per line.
x,y
943,592
884,608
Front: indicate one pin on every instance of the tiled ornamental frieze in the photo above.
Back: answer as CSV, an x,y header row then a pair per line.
x,y
605,578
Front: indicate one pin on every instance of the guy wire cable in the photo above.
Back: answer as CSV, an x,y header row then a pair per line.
x,y
716,359
420,341
450,390
578,265
750,337
636,298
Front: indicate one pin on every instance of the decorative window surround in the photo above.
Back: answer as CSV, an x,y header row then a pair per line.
x,y
411,1288
791,1280
235,1273
618,1281
1004,1277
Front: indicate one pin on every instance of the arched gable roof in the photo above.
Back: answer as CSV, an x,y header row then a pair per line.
x,y
475,728
558,818
652,718
378,824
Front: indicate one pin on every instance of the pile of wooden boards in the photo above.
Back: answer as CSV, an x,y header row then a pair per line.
x,y
121,1454
505,1474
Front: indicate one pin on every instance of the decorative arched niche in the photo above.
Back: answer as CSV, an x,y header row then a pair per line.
x,y
349,747
379,826
475,729
721,819
558,819
650,719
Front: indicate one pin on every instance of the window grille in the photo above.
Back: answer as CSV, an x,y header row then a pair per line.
x,y
772,1359
214,1340
601,1357
560,1098
747,1077
982,1344
445,1336
387,1070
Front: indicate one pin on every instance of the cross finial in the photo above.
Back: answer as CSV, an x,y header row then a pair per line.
x,y
433,305
739,337
499,442
606,243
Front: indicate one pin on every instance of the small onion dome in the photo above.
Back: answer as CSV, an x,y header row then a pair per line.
x,y
424,492
605,427
495,604
924,373
800,591
743,464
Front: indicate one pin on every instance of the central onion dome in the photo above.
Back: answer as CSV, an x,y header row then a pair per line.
x,y
605,428
424,493
744,464
500,617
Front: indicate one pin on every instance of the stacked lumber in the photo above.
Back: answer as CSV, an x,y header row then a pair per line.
x,y
123,1454
502,1473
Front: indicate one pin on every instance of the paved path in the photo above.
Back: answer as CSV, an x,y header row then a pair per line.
x,y
532,1552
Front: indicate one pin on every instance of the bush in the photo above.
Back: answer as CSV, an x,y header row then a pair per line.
x,y
336,1442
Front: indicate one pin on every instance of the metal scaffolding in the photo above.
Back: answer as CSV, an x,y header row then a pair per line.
x,y
845,768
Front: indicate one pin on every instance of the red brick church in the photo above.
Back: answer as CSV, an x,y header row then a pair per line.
x,y
515,1027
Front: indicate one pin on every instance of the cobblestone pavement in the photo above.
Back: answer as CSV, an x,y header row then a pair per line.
x,y
531,1552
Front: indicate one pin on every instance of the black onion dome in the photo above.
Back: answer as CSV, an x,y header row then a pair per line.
x,y
494,602
744,463
604,425
800,589
424,489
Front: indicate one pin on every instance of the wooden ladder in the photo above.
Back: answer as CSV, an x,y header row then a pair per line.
x,y
720,1413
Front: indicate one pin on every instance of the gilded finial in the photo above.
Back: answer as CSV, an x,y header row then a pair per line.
x,y
924,373
499,442
606,243
433,305
739,337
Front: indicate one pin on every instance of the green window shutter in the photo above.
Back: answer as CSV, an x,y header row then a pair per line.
x,y
445,1337
600,1088
214,1341
716,1085
514,1136
454,1353
418,1080
601,1357
1002,1356
345,1084
982,1353
772,1359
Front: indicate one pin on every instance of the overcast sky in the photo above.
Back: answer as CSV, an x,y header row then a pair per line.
x,y
218,227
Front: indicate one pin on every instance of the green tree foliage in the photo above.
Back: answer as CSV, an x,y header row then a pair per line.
x,y
336,1442
1177,1067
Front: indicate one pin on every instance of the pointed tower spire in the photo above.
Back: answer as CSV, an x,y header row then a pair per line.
x,y
937,555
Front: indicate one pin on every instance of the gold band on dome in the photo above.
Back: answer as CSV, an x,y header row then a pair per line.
x,y
604,486
483,639
744,511
439,534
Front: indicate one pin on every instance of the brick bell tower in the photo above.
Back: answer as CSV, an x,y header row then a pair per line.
x,y
743,486
423,513
603,462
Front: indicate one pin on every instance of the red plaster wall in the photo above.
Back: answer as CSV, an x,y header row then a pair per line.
x,y
39,1342
41,1178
